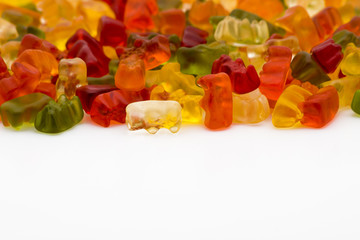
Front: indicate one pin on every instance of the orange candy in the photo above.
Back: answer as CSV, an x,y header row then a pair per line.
x,y
138,15
217,101
262,7
42,61
298,22
320,108
201,12
172,21
327,21
275,72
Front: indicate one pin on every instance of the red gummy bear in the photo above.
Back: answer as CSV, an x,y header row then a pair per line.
x,y
111,32
328,55
31,41
88,93
243,80
193,36
84,46
112,105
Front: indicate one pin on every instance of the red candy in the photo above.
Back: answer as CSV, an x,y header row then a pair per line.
x,y
88,93
112,105
138,15
275,72
328,55
111,32
193,36
320,108
243,80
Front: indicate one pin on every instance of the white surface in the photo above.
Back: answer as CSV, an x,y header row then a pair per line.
x,y
249,182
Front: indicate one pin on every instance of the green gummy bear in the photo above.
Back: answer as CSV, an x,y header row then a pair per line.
x,y
305,69
21,110
355,104
344,37
59,116
242,14
198,60
105,80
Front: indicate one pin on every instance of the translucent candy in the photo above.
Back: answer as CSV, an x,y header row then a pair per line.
x,y
152,115
235,31
252,107
72,74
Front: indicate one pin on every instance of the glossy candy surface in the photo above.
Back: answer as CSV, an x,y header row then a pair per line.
x,y
217,101
59,116
153,115
23,110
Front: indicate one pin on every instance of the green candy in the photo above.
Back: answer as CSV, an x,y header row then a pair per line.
x,y
113,66
59,116
198,60
21,110
355,104
344,37
305,69
105,80
242,14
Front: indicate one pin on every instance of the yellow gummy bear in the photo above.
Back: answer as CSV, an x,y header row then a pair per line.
x,y
191,110
252,107
235,31
152,115
312,6
346,88
172,79
7,31
286,112
92,11
350,63
9,52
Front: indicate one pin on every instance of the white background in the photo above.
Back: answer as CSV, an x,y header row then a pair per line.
x,y
249,182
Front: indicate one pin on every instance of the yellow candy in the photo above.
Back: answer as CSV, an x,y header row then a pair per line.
x,y
350,63
110,52
291,42
55,11
286,112
92,12
172,79
312,6
60,34
229,5
236,32
346,88
9,52
152,115
7,31
191,110
72,74
252,107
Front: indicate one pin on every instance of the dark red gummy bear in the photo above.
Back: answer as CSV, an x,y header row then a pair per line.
x,y
112,105
88,93
243,80
328,55
84,46
193,36
111,32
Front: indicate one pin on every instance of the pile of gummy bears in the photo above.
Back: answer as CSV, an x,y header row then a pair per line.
x,y
157,64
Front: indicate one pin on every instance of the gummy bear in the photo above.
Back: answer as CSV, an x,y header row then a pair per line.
x,y
59,116
153,115
217,102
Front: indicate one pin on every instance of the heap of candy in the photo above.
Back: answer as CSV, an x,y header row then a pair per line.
x,y
157,64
